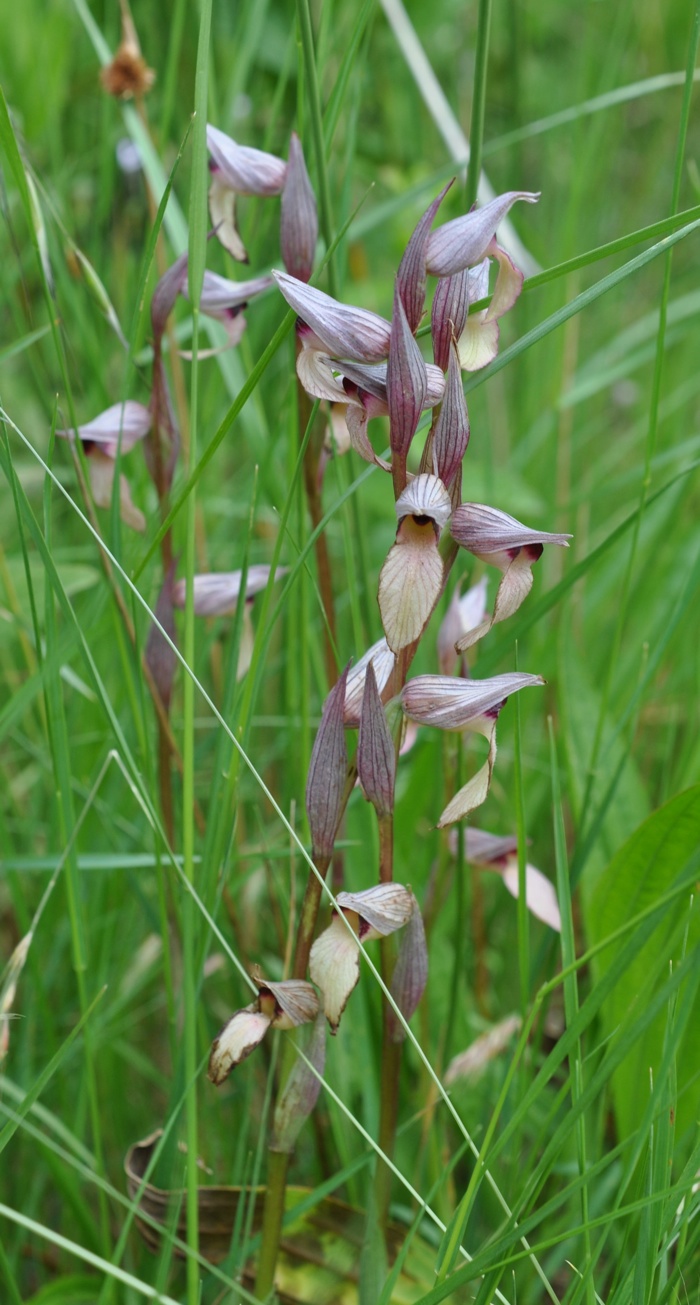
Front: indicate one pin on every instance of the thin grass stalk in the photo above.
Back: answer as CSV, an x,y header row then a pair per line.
x,y
476,126
521,828
652,427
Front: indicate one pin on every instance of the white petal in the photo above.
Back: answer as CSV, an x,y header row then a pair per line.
x,y
512,592
356,418
315,371
509,283
490,534
464,613
246,646
383,660
384,908
129,421
474,792
236,1040
334,966
478,343
539,893
222,208
216,593
410,583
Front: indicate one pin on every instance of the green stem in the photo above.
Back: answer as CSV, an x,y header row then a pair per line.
x,y
391,1051
476,129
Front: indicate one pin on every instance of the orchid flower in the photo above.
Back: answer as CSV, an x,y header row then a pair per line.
x,y
463,705
216,594
501,541
282,1005
334,962
501,856
411,578
238,170
116,429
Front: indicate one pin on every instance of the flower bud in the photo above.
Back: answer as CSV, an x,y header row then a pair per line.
x,y
328,773
376,754
299,221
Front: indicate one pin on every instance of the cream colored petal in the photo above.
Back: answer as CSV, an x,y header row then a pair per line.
x,y
475,791
540,895
334,966
410,583
102,479
509,283
337,437
383,908
512,592
222,208
464,614
478,343
236,1040
315,371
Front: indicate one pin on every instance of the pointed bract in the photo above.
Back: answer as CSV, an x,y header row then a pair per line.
x,y
376,754
299,221
160,657
300,1092
451,430
411,276
410,974
406,382
328,773
464,241
449,314
383,661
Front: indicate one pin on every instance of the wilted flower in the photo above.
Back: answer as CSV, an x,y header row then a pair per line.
x,y
238,170
334,962
464,241
117,428
473,705
501,855
278,1006
299,221
501,541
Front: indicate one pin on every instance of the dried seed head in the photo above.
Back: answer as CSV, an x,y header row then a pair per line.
x,y
128,74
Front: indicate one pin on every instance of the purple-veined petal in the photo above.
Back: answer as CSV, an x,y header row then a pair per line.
x,y
382,909
410,974
376,754
247,171
449,314
300,1092
406,382
299,221
356,418
222,210
328,772
410,583
383,661
411,276
470,1063
486,849
216,593
102,471
218,293
345,331
334,966
122,425
491,534
425,496
239,1036
463,241
450,703
465,613
451,430
166,292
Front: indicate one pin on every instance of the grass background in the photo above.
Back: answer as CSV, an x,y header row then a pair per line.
x,y
563,436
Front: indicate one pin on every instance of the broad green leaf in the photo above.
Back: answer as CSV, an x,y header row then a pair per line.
x,y
644,868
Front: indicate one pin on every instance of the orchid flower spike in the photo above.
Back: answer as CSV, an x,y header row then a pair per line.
x,y
282,1005
238,170
500,855
116,429
501,541
334,961
463,705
